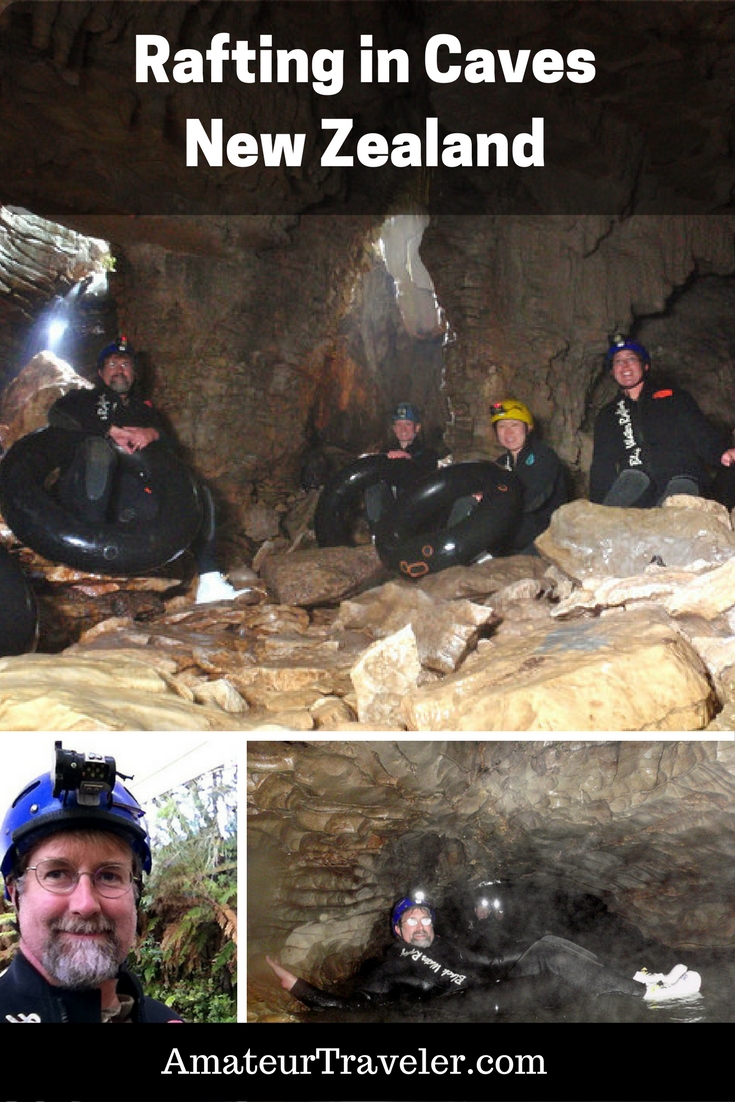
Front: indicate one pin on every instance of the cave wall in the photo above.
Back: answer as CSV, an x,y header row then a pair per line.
x,y
252,352
533,302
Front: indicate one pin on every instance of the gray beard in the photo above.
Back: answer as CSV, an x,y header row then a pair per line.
x,y
87,964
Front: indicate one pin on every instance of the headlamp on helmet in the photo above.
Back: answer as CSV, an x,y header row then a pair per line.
x,y
119,347
82,792
405,411
511,410
623,344
405,903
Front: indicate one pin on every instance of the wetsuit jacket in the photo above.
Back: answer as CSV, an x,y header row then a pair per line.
x,y
664,433
408,970
94,412
544,482
410,471
26,997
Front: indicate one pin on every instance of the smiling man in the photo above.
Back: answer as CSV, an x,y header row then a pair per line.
x,y
74,850
104,423
652,441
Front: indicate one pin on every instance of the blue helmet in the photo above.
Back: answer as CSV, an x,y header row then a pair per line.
x,y
119,347
622,344
404,411
45,807
405,903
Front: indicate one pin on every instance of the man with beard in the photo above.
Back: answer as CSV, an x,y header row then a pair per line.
x,y
110,420
420,964
72,870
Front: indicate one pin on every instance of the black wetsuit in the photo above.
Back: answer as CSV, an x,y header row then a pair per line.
x,y
26,997
405,473
663,435
123,495
544,482
96,411
443,969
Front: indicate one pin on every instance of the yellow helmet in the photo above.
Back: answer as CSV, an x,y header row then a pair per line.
x,y
511,410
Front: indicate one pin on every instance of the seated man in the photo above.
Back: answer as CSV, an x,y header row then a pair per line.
x,y
113,418
74,848
651,441
420,964
413,460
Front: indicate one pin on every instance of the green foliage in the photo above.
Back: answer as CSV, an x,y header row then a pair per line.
x,y
188,955
8,934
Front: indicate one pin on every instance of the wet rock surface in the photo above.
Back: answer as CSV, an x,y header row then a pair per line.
x,y
338,830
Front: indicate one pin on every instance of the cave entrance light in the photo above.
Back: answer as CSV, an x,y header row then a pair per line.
x,y
59,278
399,246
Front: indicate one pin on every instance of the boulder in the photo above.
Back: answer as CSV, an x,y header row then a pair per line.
x,y
322,575
26,401
444,630
620,672
383,675
585,539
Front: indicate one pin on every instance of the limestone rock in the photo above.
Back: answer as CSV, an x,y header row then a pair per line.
x,y
261,523
382,676
322,575
630,672
482,579
26,401
585,539
107,691
444,630
707,594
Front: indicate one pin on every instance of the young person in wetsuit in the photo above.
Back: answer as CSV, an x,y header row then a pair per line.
x,y
537,467
420,964
412,461
651,441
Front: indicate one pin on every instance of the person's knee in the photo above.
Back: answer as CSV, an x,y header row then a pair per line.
x,y
681,484
630,488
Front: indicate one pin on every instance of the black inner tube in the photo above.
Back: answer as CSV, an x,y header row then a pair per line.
x,y
343,491
404,543
40,521
18,614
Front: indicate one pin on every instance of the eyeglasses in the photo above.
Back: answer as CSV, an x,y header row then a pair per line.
x,y
61,878
415,921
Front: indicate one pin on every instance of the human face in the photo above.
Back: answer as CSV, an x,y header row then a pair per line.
x,y
413,929
77,940
406,432
511,434
118,372
629,371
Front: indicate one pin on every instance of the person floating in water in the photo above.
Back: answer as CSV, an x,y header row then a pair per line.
x,y
421,964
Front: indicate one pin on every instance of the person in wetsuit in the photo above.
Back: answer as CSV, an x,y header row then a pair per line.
x,y
73,850
420,964
412,461
538,468
105,422
651,441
